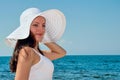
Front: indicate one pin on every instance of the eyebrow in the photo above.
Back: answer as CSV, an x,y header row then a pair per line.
x,y
38,22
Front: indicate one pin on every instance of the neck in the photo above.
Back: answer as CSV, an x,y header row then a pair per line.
x,y
36,46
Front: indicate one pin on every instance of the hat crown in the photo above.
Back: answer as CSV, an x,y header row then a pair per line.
x,y
27,14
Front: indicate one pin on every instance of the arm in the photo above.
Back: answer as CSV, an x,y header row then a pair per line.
x,y
55,51
23,65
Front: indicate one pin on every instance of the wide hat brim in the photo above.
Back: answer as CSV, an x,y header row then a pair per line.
x,y
55,27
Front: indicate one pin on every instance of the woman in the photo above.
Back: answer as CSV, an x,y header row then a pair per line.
x,y
28,61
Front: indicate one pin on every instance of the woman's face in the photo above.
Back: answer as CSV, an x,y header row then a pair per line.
x,y
38,28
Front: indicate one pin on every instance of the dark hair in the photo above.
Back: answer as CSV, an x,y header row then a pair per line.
x,y
29,41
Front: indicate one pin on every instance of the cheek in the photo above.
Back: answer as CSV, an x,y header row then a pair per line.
x,y
44,31
32,30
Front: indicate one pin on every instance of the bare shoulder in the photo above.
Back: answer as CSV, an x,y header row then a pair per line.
x,y
25,54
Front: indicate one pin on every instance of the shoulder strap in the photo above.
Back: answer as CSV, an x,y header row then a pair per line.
x,y
36,51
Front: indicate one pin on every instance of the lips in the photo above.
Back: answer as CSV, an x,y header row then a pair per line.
x,y
39,34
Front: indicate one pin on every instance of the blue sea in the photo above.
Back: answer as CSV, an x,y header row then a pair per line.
x,y
76,67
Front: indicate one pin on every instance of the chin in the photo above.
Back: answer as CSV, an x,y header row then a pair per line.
x,y
39,40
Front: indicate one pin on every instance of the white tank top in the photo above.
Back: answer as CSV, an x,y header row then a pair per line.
x,y
43,70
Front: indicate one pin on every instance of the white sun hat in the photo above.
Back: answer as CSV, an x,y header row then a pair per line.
x,y
55,25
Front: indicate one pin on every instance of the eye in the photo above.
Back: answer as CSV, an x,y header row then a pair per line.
x,y
36,25
43,25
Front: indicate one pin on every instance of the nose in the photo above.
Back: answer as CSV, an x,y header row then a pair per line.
x,y
40,29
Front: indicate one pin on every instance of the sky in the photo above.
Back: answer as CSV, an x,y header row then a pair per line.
x,y
93,26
